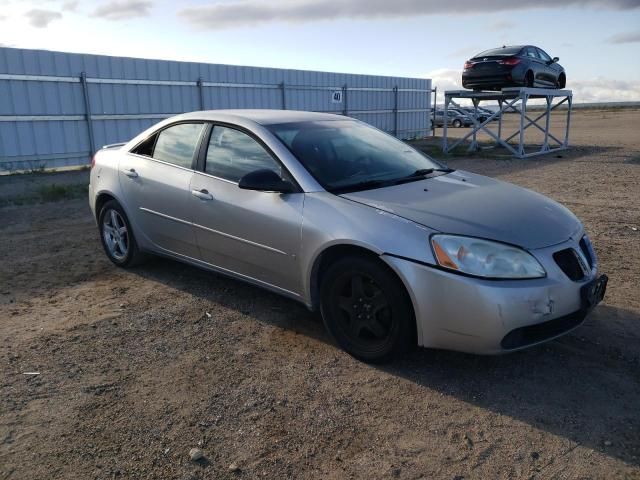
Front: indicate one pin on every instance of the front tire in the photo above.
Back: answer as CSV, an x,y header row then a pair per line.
x,y
457,123
562,81
117,236
367,310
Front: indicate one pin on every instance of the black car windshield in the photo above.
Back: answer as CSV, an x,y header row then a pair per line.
x,y
346,155
499,51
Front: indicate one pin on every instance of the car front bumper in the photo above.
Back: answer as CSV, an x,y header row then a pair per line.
x,y
475,315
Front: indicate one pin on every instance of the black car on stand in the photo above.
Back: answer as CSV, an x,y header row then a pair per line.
x,y
513,66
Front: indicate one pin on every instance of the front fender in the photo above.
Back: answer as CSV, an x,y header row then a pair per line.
x,y
330,220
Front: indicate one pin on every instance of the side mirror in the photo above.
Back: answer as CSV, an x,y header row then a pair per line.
x,y
555,59
265,180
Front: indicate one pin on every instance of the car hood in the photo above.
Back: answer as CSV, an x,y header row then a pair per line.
x,y
467,204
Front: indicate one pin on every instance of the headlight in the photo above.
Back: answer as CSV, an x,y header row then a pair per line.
x,y
484,258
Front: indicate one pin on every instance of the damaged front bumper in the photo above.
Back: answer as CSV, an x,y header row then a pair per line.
x,y
481,316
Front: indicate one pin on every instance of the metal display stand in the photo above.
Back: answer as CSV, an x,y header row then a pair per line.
x,y
511,99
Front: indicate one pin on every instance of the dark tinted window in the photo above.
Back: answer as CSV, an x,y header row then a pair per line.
x,y
343,153
499,51
232,154
146,147
531,52
178,144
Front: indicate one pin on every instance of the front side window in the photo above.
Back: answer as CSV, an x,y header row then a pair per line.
x,y
346,155
232,154
544,56
177,144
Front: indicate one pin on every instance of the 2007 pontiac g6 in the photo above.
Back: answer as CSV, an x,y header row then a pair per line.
x,y
394,248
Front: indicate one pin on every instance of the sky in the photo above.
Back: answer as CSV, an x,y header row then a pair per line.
x,y
598,41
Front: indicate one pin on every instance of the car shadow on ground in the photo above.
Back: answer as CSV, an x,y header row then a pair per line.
x,y
583,387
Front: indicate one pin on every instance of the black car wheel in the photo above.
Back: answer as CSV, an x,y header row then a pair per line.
x,y
562,81
529,79
367,310
457,123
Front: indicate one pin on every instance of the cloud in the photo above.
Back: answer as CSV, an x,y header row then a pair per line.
x,y
604,90
463,53
70,6
250,12
42,18
628,37
445,79
502,25
123,9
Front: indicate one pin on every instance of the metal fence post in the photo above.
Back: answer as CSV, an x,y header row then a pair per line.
x,y
545,146
569,107
200,92
395,111
445,121
523,112
500,120
345,109
283,89
435,105
87,111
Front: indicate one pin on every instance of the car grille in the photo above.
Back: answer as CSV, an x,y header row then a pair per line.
x,y
569,262
524,336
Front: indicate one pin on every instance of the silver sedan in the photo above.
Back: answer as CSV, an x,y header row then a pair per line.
x,y
394,248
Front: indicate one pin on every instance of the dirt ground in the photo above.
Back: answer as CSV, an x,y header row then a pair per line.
x,y
138,367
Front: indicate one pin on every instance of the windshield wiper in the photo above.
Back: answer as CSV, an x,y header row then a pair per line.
x,y
423,172
366,185
428,171
371,184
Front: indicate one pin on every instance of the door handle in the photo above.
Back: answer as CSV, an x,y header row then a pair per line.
x,y
202,194
131,173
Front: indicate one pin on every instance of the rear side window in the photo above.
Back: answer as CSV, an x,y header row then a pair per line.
x,y
232,154
531,52
177,145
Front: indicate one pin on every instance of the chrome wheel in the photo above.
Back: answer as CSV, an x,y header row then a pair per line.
x,y
115,234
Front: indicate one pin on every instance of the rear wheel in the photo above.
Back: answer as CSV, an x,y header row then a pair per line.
x,y
529,79
367,310
457,123
117,236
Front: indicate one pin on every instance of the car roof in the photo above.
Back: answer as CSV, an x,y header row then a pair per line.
x,y
262,117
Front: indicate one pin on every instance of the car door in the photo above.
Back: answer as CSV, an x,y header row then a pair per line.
x,y
552,69
536,65
252,233
155,178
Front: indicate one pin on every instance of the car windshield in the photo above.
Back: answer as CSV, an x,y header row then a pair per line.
x,y
347,155
499,51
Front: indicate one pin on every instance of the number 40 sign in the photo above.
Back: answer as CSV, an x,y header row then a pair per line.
x,y
336,96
